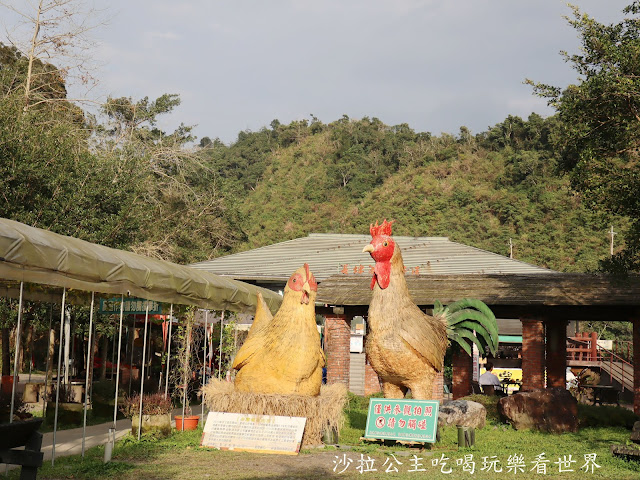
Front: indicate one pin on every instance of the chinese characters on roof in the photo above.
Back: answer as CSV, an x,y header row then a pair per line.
x,y
347,269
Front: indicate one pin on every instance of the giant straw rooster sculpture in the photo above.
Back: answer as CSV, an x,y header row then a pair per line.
x,y
283,355
405,346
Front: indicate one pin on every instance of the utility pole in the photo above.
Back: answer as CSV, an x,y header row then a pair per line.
x,y
612,233
510,249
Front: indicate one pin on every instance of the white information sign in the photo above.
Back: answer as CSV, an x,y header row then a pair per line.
x,y
356,344
253,433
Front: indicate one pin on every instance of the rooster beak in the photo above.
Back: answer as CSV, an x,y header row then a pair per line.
x,y
369,248
306,293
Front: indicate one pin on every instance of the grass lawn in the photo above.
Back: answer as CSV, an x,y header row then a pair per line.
x,y
180,457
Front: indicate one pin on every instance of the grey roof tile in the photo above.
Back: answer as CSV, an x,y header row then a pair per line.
x,y
328,253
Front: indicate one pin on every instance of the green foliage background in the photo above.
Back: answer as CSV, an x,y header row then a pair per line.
x,y
480,190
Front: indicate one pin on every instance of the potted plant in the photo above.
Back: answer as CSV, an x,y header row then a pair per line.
x,y
156,413
70,408
20,409
184,378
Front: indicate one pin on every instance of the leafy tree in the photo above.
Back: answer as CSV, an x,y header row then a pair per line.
x,y
50,179
600,121
181,213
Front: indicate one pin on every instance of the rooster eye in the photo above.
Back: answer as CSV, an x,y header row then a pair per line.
x,y
385,244
296,282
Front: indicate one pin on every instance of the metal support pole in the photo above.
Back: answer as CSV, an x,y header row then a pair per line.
x,y
184,371
46,371
220,347
166,385
133,338
55,417
67,338
31,353
88,369
115,403
204,365
184,400
15,361
113,354
144,356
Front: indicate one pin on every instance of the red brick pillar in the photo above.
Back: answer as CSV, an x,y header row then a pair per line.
x,y
371,380
594,347
532,354
337,339
556,353
462,373
438,387
636,363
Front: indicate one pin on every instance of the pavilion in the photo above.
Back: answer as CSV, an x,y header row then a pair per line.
x,y
542,300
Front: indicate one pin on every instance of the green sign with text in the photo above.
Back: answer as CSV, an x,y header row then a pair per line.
x,y
399,419
131,306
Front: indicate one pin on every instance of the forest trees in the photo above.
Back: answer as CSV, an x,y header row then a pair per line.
x,y
600,122
180,215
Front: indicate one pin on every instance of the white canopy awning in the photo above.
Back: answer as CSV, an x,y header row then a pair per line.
x,y
33,255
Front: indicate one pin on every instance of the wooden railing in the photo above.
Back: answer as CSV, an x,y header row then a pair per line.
x,y
583,348
624,349
618,361
618,367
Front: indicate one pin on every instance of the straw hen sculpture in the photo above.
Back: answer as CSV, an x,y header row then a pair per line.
x,y
405,346
283,355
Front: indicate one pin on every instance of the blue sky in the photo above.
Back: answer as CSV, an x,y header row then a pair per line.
x,y
436,65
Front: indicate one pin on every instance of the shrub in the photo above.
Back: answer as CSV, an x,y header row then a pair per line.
x,y
152,404
19,407
103,390
490,403
357,402
581,388
605,416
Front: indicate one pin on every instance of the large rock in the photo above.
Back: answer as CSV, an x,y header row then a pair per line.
x,y
462,412
550,410
635,433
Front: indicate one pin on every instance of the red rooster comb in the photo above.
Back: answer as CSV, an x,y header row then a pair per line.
x,y
384,229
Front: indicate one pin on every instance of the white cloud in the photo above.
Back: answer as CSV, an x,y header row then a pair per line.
x,y
433,64
163,35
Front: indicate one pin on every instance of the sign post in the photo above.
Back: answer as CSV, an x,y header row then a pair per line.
x,y
399,419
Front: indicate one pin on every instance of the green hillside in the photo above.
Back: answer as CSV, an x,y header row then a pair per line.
x,y
482,190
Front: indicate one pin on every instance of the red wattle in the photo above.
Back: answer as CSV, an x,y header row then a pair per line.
x,y
373,281
382,273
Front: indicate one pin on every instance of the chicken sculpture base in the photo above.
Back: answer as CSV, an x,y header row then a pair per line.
x,y
323,412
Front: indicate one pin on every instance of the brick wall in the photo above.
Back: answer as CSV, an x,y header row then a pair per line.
x,y
438,386
462,373
636,362
371,380
556,351
532,354
337,338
